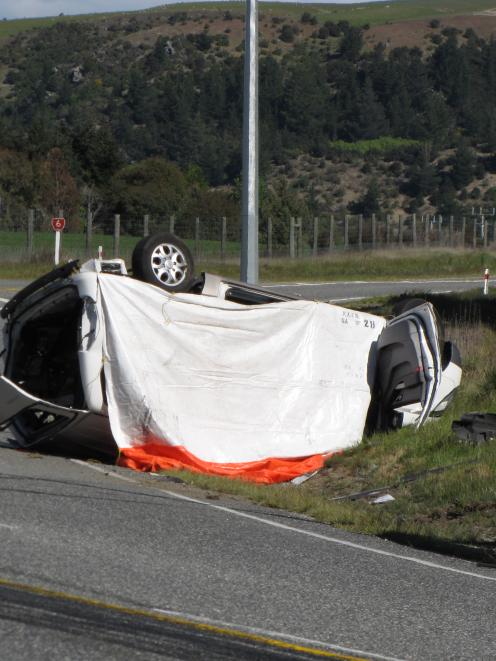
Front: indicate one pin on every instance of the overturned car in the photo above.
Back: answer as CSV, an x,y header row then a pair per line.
x,y
167,370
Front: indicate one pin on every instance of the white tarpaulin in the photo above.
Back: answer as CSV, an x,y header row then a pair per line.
x,y
262,392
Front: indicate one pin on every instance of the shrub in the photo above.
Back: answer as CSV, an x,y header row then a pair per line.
x,y
286,34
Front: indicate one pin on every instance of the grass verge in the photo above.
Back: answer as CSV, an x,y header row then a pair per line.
x,y
444,490
377,265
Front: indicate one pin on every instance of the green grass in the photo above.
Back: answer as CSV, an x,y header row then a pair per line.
x,y
451,511
377,265
382,145
375,13
15,26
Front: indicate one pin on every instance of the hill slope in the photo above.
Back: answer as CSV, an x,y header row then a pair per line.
x,y
363,108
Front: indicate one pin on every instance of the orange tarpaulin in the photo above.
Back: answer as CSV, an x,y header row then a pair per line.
x,y
155,456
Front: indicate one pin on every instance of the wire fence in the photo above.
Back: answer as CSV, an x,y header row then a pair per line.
x,y
29,237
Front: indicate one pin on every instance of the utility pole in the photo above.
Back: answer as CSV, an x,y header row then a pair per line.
x,y
249,202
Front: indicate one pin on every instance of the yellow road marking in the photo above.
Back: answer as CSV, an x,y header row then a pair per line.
x,y
172,619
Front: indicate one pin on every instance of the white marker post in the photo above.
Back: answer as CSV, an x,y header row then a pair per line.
x,y
58,225
486,282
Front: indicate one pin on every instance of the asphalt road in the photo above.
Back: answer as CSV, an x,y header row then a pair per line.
x,y
334,291
143,543
353,290
104,563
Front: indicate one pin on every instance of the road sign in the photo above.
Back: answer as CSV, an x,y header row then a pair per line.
x,y
58,224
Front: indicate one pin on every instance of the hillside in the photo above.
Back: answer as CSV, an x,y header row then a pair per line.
x,y
377,107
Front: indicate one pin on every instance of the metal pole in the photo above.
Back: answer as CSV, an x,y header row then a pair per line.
x,y
30,233
414,230
315,236
89,231
373,231
58,241
300,237
117,234
223,238
269,236
146,225
360,232
331,234
292,252
172,222
346,232
197,237
249,206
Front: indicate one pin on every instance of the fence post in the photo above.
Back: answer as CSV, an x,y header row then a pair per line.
x,y
300,238
269,236
117,234
400,222
223,238
388,230
463,231
292,237
172,222
30,235
197,236
374,237
414,230
89,232
451,231
346,231
486,229
426,237
315,236
146,225
360,232
474,237
331,234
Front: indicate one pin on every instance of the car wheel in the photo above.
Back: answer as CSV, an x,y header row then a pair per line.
x,y
164,260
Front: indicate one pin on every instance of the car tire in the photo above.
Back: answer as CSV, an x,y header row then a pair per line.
x,y
164,260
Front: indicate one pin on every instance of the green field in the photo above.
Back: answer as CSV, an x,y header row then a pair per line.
x,y
380,264
375,13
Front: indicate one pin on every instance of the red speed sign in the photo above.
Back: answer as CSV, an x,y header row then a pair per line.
x,y
58,224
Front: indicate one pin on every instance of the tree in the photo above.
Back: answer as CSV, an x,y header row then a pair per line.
x,y
280,202
445,199
423,177
463,169
153,186
287,33
369,203
58,188
96,151
351,44
369,119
